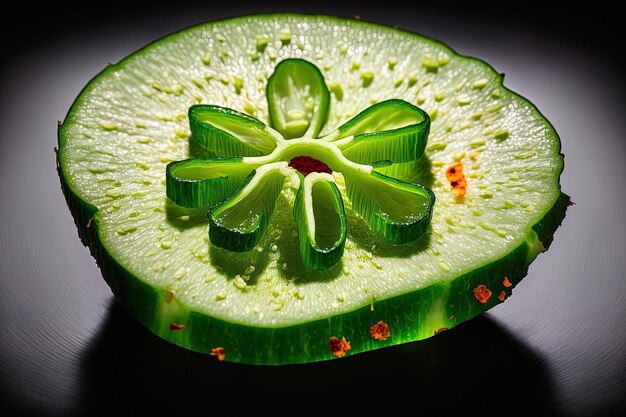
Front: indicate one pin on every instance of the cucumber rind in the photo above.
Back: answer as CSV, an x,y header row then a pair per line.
x,y
303,342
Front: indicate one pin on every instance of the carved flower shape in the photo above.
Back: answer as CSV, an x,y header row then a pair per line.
x,y
241,183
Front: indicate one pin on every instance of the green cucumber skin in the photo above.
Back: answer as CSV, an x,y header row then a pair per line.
x,y
409,315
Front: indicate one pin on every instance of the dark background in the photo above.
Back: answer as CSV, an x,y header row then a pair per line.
x,y
556,348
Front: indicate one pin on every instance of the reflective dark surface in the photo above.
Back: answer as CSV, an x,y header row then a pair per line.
x,y
557,347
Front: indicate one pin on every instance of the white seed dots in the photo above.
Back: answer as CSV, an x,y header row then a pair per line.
x,y
206,58
239,282
180,274
463,99
108,125
261,42
480,83
285,36
122,231
444,266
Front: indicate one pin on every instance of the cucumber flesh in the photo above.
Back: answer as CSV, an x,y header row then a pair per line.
x,y
132,120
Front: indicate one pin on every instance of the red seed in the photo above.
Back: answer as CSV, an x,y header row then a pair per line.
x,y
306,165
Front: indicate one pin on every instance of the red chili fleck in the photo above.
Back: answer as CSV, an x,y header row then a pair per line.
x,y
339,347
482,293
443,329
219,353
455,176
451,317
506,282
502,296
380,331
306,165
176,326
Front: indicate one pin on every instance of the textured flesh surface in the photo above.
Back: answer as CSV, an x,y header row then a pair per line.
x,y
131,120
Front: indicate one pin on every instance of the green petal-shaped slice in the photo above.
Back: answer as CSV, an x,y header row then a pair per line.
x,y
319,212
238,223
298,99
392,130
400,211
131,120
229,133
203,182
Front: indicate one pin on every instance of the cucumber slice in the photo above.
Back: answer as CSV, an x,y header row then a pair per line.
x,y
120,140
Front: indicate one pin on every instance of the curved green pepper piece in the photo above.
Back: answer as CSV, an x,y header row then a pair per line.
x,y
238,222
227,133
321,219
203,182
298,99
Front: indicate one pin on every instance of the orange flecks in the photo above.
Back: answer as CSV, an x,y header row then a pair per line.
x,y
88,225
380,331
170,297
451,317
455,176
176,326
502,296
506,282
482,293
338,347
443,329
219,353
